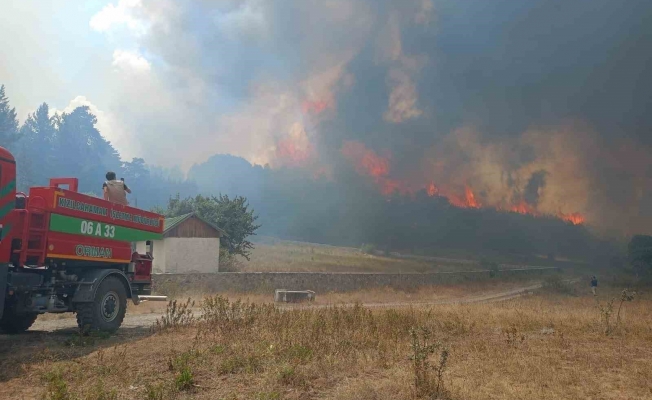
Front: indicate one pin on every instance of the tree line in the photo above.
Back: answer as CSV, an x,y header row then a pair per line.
x,y
289,202
70,145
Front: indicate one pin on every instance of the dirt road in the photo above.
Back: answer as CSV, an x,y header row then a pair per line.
x,y
147,320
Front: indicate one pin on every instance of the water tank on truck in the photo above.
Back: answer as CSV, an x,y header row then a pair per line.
x,y
63,251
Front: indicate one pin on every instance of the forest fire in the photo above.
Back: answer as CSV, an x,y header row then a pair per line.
x,y
574,218
368,163
466,200
522,207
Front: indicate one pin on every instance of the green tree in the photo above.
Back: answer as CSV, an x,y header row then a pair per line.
x,y
230,214
8,121
33,150
82,151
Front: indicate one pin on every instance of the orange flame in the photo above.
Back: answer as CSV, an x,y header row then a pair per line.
x,y
467,200
470,198
366,161
574,218
432,190
389,186
523,208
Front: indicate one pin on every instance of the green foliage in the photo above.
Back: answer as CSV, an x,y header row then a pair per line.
x,y
428,377
154,392
57,388
8,120
100,393
184,380
69,144
176,315
368,248
230,214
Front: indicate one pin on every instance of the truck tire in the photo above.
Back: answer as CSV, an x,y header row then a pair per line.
x,y
16,323
108,309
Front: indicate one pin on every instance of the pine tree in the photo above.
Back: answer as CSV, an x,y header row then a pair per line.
x,y
33,151
8,121
82,151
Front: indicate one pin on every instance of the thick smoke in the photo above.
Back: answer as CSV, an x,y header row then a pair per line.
x,y
537,106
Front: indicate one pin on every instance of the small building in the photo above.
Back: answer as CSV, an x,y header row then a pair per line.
x,y
190,244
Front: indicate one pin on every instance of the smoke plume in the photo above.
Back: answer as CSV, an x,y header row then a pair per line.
x,y
537,107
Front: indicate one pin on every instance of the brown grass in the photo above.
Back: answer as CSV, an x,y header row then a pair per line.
x,y
276,255
426,294
542,347
284,256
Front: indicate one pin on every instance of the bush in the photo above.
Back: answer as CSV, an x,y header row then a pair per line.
x,y
176,315
606,311
57,388
368,248
229,262
428,378
185,380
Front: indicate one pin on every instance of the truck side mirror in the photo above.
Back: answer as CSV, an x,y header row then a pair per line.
x,y
149,247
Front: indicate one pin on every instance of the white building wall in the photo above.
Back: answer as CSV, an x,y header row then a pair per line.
x,y
158,265
191,255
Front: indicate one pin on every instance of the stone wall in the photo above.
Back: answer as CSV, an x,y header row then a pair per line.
x,y
322,282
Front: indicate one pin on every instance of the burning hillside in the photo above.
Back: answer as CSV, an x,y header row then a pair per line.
x,y
368,163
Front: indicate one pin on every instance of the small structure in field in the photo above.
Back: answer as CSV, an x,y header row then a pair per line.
x,y
190,244
293,296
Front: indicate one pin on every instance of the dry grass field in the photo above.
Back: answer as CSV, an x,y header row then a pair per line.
x,y
284,256
546,346
275,255
375,296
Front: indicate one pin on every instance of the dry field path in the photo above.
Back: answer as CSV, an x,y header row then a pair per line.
x,y
132,321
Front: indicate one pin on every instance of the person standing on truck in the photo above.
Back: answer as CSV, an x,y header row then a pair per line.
x,y
115,190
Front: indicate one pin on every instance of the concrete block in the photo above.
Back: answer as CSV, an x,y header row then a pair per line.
x,y
293,296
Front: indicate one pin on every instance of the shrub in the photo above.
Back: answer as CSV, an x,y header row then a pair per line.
x,y
229,262
368,248
428,378
176,315
154,392
57,388
184,380
606,311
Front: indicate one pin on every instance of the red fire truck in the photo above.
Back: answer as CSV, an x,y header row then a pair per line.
x,y
63,251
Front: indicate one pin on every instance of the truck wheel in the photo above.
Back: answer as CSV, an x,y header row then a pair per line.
x,y
16,323
108,309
